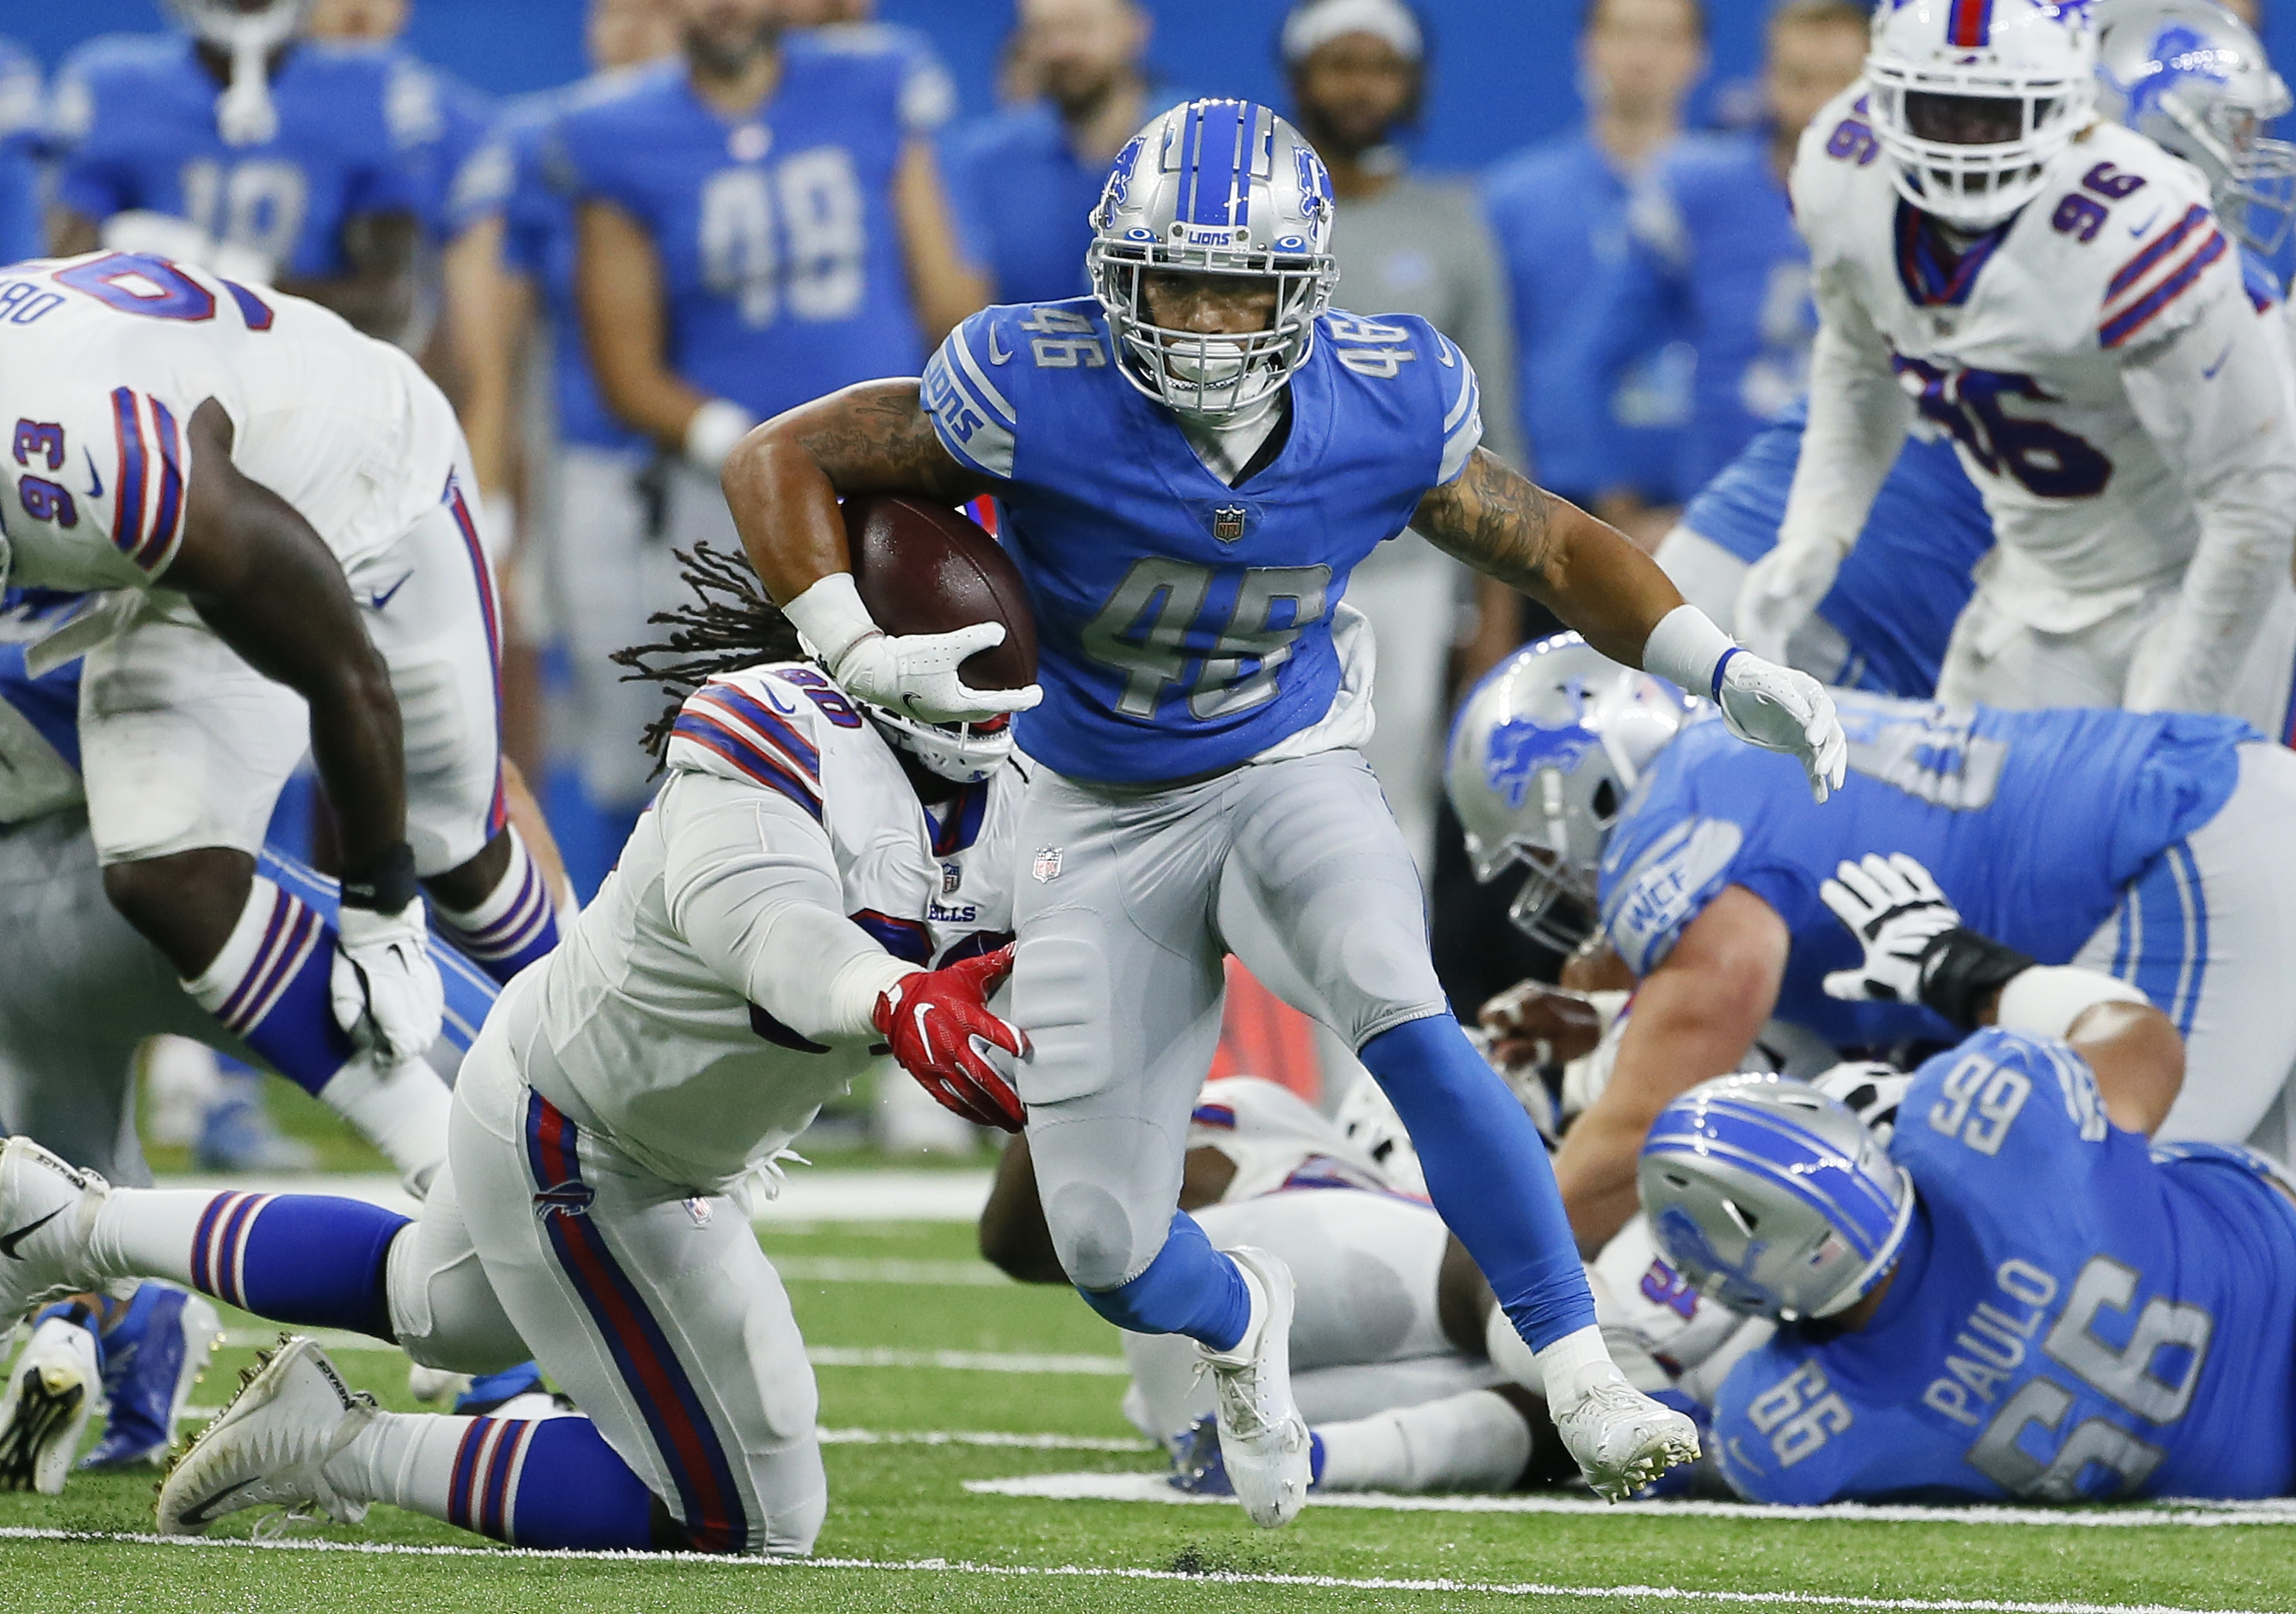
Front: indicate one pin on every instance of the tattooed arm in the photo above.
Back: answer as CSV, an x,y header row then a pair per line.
x,y
1588,574
784,480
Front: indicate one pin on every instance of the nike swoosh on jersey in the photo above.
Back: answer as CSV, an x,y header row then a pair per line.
x,y
377,601
8,1243
2210,373
2148,224
94,477
996,355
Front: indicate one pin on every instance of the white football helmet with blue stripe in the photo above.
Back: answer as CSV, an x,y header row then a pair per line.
x,y
1215,187
1543,755
1973,98
2192,77
1772,1197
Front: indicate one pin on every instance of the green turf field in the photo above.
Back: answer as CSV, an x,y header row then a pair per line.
x,y
905,1533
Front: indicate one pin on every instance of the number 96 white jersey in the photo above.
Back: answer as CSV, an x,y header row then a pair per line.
x,y
104,358
2110,385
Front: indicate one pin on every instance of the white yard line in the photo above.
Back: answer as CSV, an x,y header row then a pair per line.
x,y
821,1355
839,1269
989,1438
943,1566
1152,1488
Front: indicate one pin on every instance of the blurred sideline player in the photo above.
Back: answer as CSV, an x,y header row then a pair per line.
x,y
770,923
1359,76
1711,245
2133,428
246,146
1559,212
2148,846
21,102
183,442
82,991
759,225
927,94
2014,1299
1024,179
1187,467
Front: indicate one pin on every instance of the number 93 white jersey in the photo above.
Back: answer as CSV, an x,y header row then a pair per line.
x,y
104,358
692,1014
2112,386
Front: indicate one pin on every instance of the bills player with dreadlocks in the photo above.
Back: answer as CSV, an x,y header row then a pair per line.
x,y
1997,263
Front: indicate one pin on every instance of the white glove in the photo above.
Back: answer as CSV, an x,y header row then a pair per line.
x,y
385,985
715,431
1896,910
916,674
1872,1090
1781,709
1780,591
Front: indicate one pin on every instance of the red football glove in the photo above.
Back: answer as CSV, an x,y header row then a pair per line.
x,y
931,1018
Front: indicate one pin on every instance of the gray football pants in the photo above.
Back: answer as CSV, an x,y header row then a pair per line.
x,y
1119,980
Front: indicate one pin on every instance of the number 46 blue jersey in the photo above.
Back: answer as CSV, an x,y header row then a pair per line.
x,y
1184,625
2075,1315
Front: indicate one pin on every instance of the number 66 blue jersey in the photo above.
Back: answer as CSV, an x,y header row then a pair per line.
x,y
2076,1315
1184,625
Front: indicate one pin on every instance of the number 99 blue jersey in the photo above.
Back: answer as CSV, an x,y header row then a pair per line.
x,y
2075,1315
1184,625
2031,822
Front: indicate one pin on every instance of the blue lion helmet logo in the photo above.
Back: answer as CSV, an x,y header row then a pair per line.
x,y
2183,53
1521,747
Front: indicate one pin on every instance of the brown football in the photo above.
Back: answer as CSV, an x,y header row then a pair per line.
x,y
923,569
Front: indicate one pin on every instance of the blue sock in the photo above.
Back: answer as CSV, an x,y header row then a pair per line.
x,y
513,926
310,1260
552,1482
1487,1173
1189,1289
270,984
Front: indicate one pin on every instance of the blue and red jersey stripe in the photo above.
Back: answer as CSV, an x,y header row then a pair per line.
x,y
2141,313
498,813
751,758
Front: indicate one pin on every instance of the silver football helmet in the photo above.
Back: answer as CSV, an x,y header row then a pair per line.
x,y
1215,187
1772,1197
1972,99
2190,76
1543,755
964,753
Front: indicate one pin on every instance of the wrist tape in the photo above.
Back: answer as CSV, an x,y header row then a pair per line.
x,y
1960,970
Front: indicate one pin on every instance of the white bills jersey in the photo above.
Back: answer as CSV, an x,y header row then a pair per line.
x,y
2025,345
1276,1140
687,1015
104,359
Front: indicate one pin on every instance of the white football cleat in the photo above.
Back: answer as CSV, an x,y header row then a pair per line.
x,y
47,1211
270,1446
53,1387
1623,1440
1263,1439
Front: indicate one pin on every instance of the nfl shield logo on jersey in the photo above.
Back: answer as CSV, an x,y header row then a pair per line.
x,y
1228,522
952,875
1047,865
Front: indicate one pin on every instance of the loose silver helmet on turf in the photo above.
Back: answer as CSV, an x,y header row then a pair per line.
x,y
1772,1198
1215,187
1543,755
2192,77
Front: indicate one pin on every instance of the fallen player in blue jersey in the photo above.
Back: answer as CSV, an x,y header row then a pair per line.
x,y
1188,466
2015,1297
2150,845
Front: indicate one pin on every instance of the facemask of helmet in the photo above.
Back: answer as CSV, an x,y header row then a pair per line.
x,y
244,115
1973,98
962,753
1214,187
2192,77
1772,1197
1543,756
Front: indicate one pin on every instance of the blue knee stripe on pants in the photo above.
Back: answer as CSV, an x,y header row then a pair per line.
x,y
1189,1289
2163,944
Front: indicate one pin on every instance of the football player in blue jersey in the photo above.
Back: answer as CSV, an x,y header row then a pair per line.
x,y
1187,466
1711,243
1559,213
757,226
20,96
2014,1298
1884,624
249,149
2150,846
